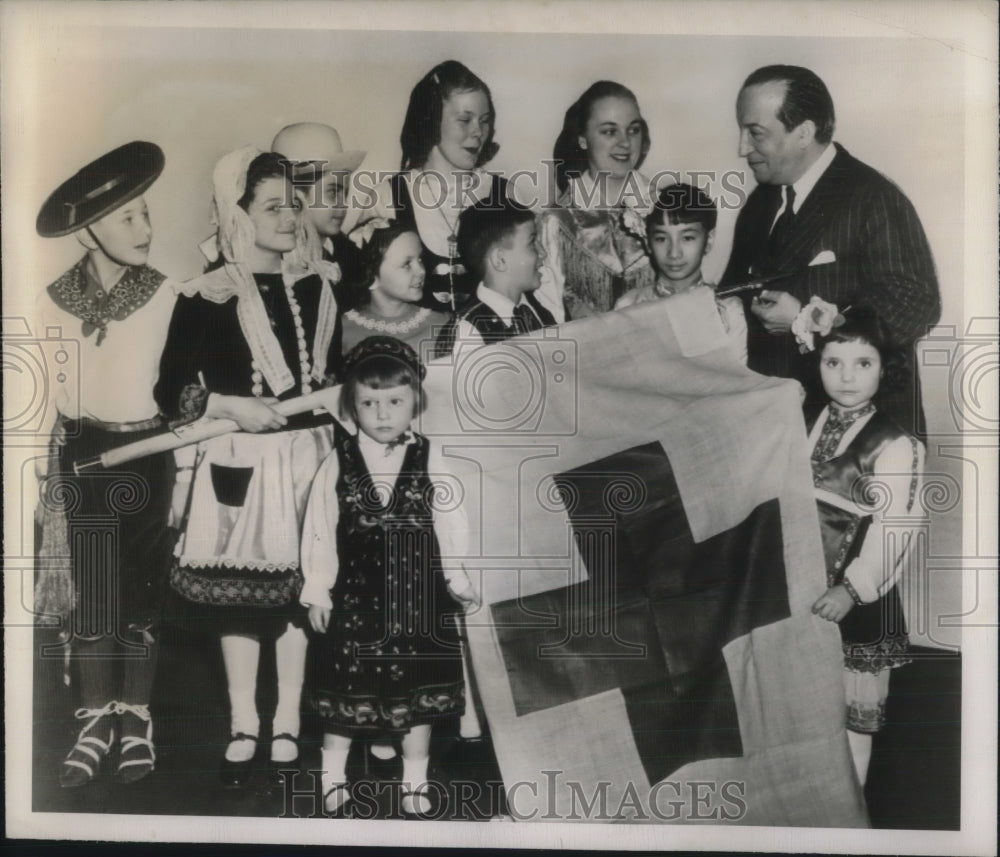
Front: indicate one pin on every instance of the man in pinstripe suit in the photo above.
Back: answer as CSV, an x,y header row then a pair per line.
x,y
814,198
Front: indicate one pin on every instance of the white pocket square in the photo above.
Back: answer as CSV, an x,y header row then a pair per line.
x,y
824,257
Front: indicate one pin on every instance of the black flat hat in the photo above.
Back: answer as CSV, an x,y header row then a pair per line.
x,y
99,188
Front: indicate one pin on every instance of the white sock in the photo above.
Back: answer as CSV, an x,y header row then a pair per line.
x,y
383,750
414,776
334,763
861,753
290,659
468,723
241,656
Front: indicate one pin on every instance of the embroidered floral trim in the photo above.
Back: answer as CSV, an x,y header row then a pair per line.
x,y
392,328
864,718
135,288
875,657
226,592
377,713
852,591
249,564
371,506
833,574
836,426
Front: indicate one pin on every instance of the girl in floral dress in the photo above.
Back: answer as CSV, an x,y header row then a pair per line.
x,y
593,235
379,558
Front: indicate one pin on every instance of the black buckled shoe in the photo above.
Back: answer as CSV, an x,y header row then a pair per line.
x,y
337,801
276,771
235,775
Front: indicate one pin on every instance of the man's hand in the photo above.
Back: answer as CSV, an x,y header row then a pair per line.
x,y
776,310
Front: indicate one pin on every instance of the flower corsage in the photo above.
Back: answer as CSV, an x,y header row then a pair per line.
x,y
817,316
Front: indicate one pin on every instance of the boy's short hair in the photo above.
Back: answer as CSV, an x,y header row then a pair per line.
x,y
484,225
682,203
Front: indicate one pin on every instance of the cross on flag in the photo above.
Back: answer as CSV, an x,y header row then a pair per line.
x,y
645,541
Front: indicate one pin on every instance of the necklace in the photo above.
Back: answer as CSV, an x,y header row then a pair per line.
x,y
452,255
257,377
391,327
454,265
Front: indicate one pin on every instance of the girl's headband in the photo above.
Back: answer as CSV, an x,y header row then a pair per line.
x,y
384,346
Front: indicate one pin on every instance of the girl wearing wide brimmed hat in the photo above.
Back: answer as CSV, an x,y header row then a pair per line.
x,y
256,328
105,544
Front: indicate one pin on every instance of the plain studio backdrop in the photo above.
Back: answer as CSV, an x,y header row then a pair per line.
x,y
201,92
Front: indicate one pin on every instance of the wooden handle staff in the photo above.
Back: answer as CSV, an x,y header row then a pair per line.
x,y
325,399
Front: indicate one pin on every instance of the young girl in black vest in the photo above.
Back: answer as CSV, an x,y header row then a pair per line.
x,y
867,476
379,557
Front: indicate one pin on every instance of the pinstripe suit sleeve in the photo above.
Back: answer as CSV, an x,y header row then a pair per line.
x,y
895,264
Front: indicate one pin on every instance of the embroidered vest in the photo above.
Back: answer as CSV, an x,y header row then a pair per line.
x,y
847,475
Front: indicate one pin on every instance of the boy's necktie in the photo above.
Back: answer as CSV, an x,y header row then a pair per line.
x,y
525,320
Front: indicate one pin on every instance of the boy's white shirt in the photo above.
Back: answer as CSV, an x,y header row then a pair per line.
x,y
868,573
500,304
111,382
320,562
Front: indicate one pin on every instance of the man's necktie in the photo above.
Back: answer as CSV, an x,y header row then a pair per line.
x,y
783,226
525,320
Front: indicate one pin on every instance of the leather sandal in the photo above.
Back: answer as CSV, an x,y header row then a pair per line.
x,y
137,755
234,775
84,761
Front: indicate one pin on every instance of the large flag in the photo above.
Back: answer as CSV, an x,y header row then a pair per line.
x,y
645,540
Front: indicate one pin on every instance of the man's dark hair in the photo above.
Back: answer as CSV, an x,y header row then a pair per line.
x,y
806,97
485,224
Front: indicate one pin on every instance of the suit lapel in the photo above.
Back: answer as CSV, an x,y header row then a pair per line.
x,y
819,209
